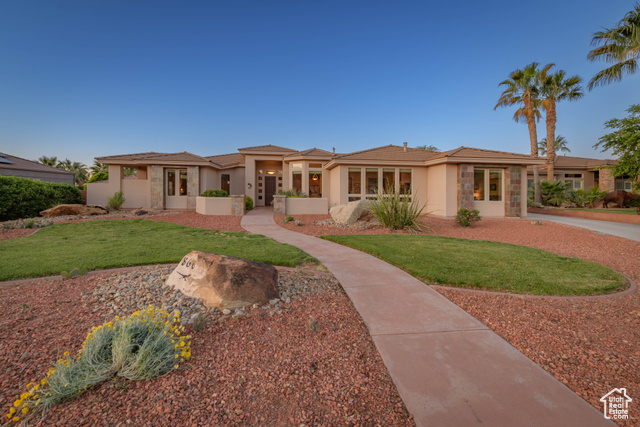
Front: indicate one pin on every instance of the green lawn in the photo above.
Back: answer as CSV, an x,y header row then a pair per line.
x,y
487,265
613,211
96,245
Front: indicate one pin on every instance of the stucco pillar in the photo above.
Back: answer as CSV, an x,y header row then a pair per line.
x,y
193,186
157,187
465,186
513,191
279,204
607,180
116,174
250,179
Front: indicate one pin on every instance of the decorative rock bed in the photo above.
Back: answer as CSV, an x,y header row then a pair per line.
x,y
144,286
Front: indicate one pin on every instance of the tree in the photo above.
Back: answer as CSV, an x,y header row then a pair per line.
x,y
624,143
619,45
555,88
99,167
76,167
559,145
428,148
49,161
522,89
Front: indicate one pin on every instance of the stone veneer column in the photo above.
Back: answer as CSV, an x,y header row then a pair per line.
x,y
237,205
607,181
157,187
193,186
513,182
279,204
465,186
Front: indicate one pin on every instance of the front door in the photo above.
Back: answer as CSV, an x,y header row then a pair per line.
x,y
269,189
176,188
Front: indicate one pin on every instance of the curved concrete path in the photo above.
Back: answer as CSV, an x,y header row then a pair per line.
x,y
620,229
449,368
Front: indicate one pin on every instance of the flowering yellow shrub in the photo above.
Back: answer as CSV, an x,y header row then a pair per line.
x,y
147,344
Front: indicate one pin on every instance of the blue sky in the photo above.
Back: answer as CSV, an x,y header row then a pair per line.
x,y
83,79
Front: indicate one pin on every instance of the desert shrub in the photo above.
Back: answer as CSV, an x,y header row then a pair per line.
x,y
466,217
289,218
588,198
98,176
248,203
553,192
145,345
396,211
215,193
294,193
25,198
116,201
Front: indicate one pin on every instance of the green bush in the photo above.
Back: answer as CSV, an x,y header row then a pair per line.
x,y
553,192
466,217
294,193
248,203
588,198
214,193
116,201
25,198
289,218
396,211
99,176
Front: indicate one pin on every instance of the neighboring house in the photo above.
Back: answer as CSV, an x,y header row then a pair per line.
x,y
491,181
16,166
584,173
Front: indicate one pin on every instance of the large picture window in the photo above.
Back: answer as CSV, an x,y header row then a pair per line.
x,y
487,182
315,184
171,182
389,180
405,181
371,178
355,181
183,182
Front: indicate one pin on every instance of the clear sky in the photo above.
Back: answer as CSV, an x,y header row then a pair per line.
x,y
81,79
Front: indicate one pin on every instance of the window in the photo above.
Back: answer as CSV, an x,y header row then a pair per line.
x,y
315,184
225,182
183,182
296,182
405,181
478,185
623,184
371,178
574,184
171,182
315,165
495,185
530,184
389,180
355,181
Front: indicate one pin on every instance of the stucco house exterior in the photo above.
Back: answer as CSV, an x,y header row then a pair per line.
x,y
493,182
23,168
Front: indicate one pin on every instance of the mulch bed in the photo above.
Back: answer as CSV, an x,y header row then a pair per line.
x,y
260,369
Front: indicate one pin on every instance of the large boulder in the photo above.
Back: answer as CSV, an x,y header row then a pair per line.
x,y
64,210
223,281
349,213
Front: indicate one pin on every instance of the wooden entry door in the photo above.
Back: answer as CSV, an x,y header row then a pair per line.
x,y
269,189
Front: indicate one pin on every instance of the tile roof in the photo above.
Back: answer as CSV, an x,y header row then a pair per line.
x,y
270,148
227,160
312,152
581,162
18,163
151,156
479,153
388,153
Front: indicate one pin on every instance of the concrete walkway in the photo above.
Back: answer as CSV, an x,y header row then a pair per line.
x,y
449,368
620,229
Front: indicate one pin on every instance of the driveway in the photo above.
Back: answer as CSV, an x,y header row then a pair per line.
x,y
620,229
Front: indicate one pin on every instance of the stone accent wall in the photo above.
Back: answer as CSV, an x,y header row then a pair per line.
x,y
607,180
513,183
193,186
237,205
465,186
157,187
279,204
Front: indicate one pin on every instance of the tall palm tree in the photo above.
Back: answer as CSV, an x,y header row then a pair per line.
x,y
49,161
522,89
98,167
76,167
559,145
620,46
556,87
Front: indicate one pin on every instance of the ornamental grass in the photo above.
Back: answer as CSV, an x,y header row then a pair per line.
x,y
145,345
395,210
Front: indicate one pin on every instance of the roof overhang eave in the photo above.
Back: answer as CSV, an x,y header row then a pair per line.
x,y
478,161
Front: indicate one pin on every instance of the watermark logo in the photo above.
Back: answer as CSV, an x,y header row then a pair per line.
x,y
616,404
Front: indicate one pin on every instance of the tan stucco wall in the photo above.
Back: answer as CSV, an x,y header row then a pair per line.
x,y
306,206
136,193
335,183
209,179
419,186
441,183
98,193
213,205
237,177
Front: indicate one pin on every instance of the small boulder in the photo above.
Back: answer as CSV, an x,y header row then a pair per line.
x,y
64,210
225,282
349,213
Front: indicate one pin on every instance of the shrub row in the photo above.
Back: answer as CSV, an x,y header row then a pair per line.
x,y
25,198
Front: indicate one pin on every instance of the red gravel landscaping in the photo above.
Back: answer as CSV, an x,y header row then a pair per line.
x,y
14,234
313,364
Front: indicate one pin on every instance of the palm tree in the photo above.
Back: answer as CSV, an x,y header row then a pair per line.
x,y
49,161
76,167
620,46
432,148
522,89
555,88
559,145
98,167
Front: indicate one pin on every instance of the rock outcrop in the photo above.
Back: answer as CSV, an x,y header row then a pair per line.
x,y
223,281
349,213
63,210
